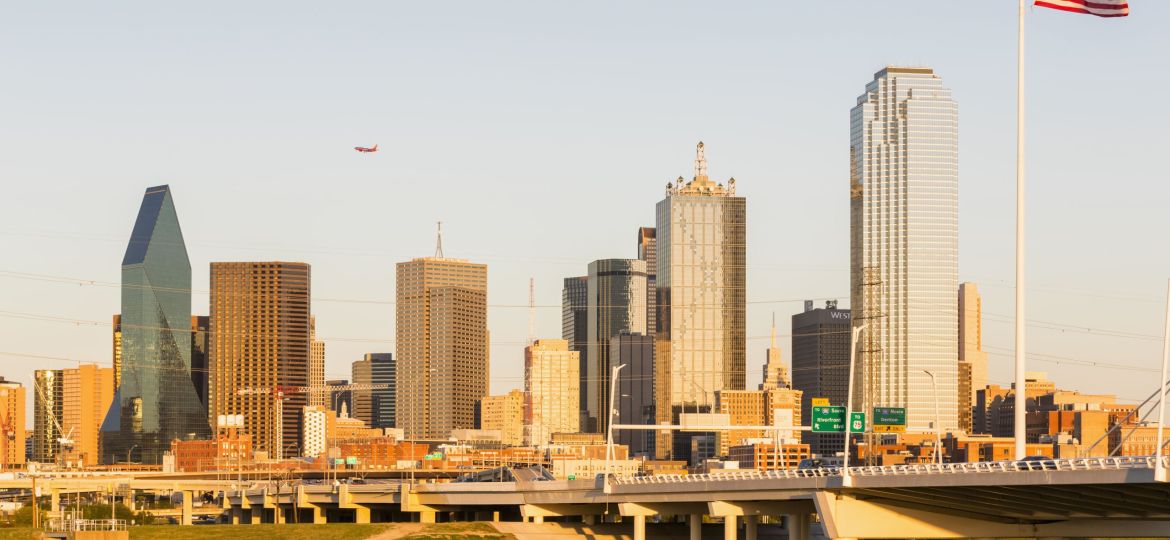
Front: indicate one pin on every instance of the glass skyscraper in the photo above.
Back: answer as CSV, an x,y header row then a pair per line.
x,y
156,402
904,245
699,336
615,303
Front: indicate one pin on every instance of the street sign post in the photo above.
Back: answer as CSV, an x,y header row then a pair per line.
x,y
831,419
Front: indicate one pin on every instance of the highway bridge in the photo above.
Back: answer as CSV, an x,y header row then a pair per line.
x,y
1057,498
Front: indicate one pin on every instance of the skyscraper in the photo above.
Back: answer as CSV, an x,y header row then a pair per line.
x,y
383,371
550,391
574,305
442,344
260,340
820,364
904,208
70,403
971,336
317,398
362,372
155,402
775,374
635,399
701,255
648,251
615,303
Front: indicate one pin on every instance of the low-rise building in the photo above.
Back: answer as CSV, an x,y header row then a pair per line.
x,y
766,456
222,452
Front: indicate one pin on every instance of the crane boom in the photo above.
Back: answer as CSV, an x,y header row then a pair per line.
x,y
281,390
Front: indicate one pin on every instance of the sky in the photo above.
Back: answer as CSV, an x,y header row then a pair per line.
x,y
542,135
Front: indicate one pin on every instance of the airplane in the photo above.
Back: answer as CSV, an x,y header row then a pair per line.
x,y
364,149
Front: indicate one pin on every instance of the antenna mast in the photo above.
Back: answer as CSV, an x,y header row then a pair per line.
x,y
439,242
531,310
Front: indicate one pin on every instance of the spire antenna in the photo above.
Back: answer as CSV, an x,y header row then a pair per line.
x,y
773,329
531,310
700,162
439,242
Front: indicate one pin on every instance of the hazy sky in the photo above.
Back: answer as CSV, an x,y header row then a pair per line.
x,y
542,135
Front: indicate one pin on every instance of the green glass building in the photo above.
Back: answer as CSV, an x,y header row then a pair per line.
x,y
156,402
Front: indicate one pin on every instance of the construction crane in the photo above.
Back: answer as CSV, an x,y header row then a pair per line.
x,y
65,440
280,392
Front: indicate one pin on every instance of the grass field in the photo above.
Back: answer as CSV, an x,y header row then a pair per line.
x,y
19,533
332,531
457,531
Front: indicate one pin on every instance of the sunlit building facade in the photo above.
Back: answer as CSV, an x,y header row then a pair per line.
x,y
574,300
442,345
504,413
12,424
550,391
904,213
701,281
260,341
71,404
156,401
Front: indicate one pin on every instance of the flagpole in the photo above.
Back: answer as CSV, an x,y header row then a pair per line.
x,y
1021,369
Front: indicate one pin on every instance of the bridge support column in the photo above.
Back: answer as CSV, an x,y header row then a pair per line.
x,y
589,519
696,523
750,528
730,527
538,519
256,515
797,525
361,514
426,516
496,516
237,515
639,527
185,518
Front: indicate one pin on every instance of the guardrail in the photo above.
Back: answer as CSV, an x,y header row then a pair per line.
x,y
1074,464
70,525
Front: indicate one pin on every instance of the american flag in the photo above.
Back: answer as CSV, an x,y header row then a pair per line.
x,y
1100,8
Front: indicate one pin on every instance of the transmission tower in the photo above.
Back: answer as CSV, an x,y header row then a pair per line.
x,y
871,316
531,310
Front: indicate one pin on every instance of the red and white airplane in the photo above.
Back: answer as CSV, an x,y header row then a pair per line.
x,y
364,149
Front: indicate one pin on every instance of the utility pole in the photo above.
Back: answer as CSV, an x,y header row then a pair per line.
x,y
871,349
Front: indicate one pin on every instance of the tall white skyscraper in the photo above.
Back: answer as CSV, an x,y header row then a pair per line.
x,y
904,245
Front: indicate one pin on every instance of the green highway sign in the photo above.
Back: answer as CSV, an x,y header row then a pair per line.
x,y
831,419
889,416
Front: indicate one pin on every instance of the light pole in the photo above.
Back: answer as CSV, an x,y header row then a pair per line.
x,y
1159,467
613,379
846,480
131,449
937,427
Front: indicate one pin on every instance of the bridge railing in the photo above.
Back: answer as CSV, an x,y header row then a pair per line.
x,y
1074,464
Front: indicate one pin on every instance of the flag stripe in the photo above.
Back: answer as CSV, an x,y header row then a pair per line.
x,y
1100,8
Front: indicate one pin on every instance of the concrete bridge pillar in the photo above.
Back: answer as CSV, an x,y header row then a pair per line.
x,y
589,519
185,518
730,528
797,525
256,516
750,527
640,527
426,516
237,515
696,522
361,514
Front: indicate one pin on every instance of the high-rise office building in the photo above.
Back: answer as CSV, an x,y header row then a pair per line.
x,y
971,337
260,340
904,220
70,404
779,407
966,395
200,342
319,396
155,402
550,391
12,424
504,413
701,257
615,303
442,344
648,251
820,364
574,304
383,371
775,374
362,373
635,399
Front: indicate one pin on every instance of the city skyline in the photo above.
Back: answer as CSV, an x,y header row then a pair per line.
x,y
1105,296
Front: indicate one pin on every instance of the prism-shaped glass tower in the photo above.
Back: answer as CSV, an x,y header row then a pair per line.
x,y
156,401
